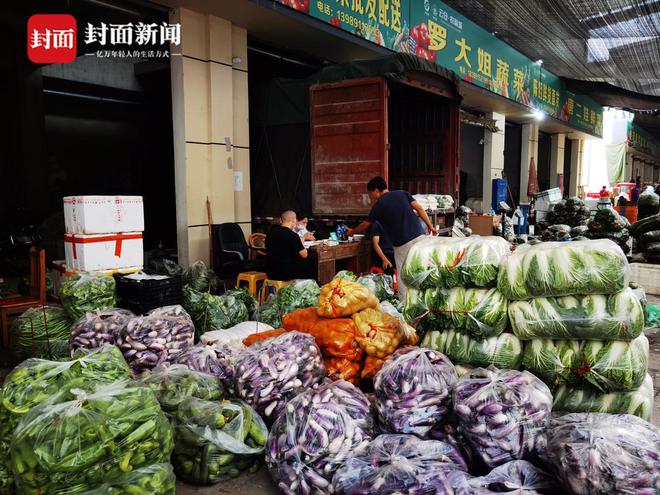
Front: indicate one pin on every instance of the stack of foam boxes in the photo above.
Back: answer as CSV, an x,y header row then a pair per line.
x,y
103,233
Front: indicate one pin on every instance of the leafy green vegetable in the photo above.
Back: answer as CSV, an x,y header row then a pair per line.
x,y
200,278
270,314
87,292
616,317
346,275
242,294
216,440
298,295
554,361
211,312
40,332
564,269
503,351
576,400
90,439
381,284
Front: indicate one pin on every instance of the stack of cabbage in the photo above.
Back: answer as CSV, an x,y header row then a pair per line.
x,y
453,302
581,323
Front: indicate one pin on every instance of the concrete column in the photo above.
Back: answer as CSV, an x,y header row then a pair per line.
x,y
576,167
493,157
528,152
210,118
629,165
557,143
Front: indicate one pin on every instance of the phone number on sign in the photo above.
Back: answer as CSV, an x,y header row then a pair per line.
x,y
356,23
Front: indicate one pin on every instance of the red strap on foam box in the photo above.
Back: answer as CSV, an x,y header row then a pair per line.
x,y
118,238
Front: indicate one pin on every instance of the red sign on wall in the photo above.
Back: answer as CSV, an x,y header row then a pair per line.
x,y
51,39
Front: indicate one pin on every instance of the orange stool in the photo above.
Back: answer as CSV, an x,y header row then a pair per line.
x,y
252,279
276,284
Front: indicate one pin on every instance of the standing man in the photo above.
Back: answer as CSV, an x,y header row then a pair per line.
x,y
395,211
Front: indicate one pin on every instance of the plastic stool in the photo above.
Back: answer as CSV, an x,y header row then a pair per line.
x,y
275,284
252,279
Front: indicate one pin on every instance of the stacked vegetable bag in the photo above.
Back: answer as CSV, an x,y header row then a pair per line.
x,y
41,332
647,234
581,325
608,224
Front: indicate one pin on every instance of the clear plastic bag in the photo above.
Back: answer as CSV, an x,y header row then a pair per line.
x,y
175,383
233,337
503,414
298,295
504,351
210,312
242,294
401,464
413,390
564,269
602,454
90,439
216,360
41,332
342,297
315,434
378,333
638,402
93,330
512,478
608,366
381,284
156,479
87,292
158,337
619,316
216,440
447,262
272,372
481,313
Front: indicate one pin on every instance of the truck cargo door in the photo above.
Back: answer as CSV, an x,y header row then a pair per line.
x,y
349,143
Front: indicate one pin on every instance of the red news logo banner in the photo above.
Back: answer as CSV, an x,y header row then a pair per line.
x,y
51,39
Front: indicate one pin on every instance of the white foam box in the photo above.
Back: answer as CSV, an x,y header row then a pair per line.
x,y
647,276
103,252
545,199
103,214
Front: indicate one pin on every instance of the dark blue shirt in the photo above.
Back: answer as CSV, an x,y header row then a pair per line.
x,y
384,240
397,218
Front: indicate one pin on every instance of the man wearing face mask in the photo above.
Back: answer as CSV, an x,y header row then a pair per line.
x,y
399,216
286,257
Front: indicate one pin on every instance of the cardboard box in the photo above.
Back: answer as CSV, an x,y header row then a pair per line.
x,y
545,199
103,252
103,214
483,224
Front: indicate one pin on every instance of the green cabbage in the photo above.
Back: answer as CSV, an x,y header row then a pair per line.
x,y
577,400
448,262
616,317
242,294
554,361
298,295
503,351
564,269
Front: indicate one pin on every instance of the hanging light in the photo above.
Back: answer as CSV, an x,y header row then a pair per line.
x,y
538,114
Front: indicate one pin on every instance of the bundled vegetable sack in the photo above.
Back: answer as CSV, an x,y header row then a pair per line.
x,y
377,333
258,337
87,292
93,330
401,464
616,317
272,372
381,284
504,351
599,454
270,313
89,439
502,413
637,402
564,269
413,390
342,297
175,383
372,365
200,278
156,479
447,262
514,477
300,294
481,313
242,294
158,337
40,332
315,434
343,369
216,440
216,360
210,312
609,366
233,337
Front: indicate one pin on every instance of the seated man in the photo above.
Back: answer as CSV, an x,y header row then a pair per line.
x,y
301,229
286,257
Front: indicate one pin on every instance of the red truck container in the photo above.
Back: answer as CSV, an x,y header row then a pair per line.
x,y
405,130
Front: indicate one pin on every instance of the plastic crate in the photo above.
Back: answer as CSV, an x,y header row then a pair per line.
x,y
141,296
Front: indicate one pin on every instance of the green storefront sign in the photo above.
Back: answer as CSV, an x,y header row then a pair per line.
x,y
643,141
434,31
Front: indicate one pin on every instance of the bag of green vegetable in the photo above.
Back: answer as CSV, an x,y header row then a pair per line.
x,y
503,351
300,294
615,317
216,440
481,313
87,292
174,383
156,479
381,284
242,294
200,278
564,269
575,400
40,332
269,313
346,275
91,439
608,366
210,312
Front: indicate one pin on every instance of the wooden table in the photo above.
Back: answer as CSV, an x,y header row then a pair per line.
x,y
328,260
